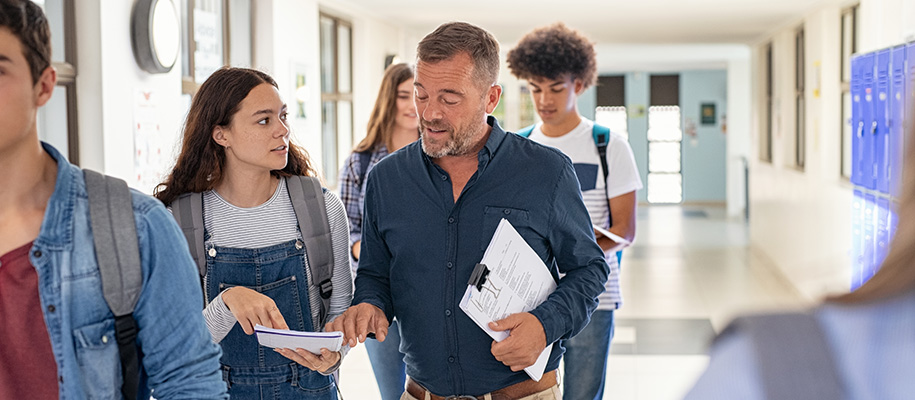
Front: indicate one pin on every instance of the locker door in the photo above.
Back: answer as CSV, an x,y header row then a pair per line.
x,y
897,119
857,123
870,237
909,99
882,238
881,121
857,240
869,122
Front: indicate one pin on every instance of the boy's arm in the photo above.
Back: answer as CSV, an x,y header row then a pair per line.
x,y
179,356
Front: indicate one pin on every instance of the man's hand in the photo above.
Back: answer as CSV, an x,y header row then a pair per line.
x,y
251,308
525,342
315,362
358,321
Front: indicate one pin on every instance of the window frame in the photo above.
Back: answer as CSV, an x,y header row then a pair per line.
x,y
800,103
335,96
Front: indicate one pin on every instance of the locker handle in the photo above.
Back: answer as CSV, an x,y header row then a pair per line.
x,y
860,129
874,128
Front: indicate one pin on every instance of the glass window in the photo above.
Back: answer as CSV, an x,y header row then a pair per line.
x,y
57,120
216,33
614,118
665,182
336,93
800,154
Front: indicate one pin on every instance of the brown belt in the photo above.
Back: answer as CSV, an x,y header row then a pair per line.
x,y
516,391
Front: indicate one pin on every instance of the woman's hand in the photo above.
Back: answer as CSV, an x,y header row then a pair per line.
x,y
321,363
251,308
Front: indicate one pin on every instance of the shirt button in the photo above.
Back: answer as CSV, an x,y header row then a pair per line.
x,y
51,308
447,313
451,220
507,211
451,359
212,252
61,379
450,265
105,339
444,177
37,253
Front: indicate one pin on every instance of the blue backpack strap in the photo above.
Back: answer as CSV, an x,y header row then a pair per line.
x,y
525,132
601,135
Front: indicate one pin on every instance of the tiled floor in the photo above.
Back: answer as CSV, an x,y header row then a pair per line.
x,y
688,273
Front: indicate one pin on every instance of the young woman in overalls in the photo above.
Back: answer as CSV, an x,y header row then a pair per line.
x,y
236,152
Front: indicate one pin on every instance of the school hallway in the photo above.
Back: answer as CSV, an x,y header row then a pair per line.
x,y
688,273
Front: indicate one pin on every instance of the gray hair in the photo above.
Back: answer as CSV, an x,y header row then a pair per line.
x,y
453,38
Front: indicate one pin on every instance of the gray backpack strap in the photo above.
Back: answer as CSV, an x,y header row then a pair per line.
x,y
794,359
308,202
117,251
187,210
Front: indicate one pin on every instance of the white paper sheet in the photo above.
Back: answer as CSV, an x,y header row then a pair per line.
x,y
518,282
616,238
288,339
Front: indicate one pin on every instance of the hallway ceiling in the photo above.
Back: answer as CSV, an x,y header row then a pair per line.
x,y
607,21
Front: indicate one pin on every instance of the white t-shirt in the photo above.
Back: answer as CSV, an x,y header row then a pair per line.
x,y
622,177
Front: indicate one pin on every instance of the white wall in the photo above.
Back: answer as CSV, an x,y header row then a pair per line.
x,y
107,84
286,41
802,219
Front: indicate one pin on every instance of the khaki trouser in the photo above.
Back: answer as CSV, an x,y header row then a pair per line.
x,y
549,394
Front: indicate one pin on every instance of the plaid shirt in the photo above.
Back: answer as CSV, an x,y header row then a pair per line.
x,y
352,192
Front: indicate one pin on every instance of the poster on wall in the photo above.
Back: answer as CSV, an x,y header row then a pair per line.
x,y
708,114
147,141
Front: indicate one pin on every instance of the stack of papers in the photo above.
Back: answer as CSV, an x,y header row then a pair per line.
x,y
518,281
287,339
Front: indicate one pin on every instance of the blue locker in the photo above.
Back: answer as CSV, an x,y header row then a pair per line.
x,y
882,238
908,102
870,235
857,240
897,120
857,123
881,111
868,121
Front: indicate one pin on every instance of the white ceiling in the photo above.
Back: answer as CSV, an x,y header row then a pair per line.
x,y
606,21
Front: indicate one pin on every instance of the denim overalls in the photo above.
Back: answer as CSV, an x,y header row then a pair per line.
x,y
253,371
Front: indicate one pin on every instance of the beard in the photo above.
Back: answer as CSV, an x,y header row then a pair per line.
x,y
454,143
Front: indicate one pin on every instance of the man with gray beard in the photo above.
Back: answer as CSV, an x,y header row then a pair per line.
x,y
432,208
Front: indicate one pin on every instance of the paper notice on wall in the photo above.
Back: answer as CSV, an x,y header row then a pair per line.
x,y
147,140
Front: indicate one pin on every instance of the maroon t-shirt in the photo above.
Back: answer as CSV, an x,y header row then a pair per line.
x,y
27,366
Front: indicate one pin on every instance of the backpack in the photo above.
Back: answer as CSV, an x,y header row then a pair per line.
x,y
114,234
793,357
307,197
601,136
365,157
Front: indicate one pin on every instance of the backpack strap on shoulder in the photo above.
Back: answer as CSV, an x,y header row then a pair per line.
x,y
187,210
525,132
365,157
795,361
117,251
307,197
601,135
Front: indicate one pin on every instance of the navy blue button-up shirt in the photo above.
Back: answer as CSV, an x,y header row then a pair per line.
x,y
419,247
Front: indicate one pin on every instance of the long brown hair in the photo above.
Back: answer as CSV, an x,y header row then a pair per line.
x,y
896,275
384,114
201,164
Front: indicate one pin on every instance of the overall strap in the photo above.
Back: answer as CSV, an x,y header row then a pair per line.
x,y
307,198
187,210
525,132
794,359
114,234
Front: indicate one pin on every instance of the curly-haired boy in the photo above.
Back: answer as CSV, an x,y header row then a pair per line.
x,y
558,64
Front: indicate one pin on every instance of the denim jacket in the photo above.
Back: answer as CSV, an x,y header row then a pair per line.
x,y
178,359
